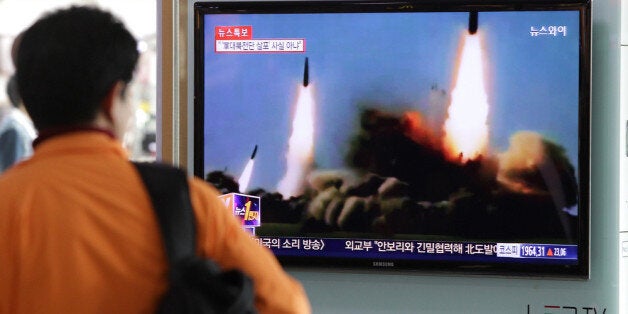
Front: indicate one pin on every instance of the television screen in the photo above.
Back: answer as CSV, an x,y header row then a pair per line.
x,y
400,135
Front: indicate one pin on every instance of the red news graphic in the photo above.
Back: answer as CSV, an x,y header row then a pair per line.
x,y
233,32
239,39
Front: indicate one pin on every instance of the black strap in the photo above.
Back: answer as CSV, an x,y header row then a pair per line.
x,y
197,285
169,193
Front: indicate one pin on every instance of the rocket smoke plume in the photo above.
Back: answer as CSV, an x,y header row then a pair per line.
x,y
299,157
245,177
533,164
526,152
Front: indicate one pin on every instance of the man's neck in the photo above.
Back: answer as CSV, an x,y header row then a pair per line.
x,y
49,133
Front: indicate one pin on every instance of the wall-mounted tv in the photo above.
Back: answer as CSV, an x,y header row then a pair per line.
x,y
413,135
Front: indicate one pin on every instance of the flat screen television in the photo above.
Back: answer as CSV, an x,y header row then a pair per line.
x,y
411,135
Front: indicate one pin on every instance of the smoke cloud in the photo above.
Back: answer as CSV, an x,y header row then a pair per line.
x,y
534,164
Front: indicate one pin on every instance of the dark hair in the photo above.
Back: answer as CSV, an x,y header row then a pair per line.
x,y
12,92
67,62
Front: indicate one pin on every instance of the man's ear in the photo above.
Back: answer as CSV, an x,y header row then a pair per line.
x,y
107,103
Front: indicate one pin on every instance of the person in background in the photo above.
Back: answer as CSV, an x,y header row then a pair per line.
x,y
77,230
16,129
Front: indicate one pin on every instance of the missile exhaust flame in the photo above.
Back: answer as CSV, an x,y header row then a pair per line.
x,y
466,128
245,177
300,154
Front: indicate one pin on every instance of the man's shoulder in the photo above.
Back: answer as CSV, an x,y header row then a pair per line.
x,y
205,200
200,186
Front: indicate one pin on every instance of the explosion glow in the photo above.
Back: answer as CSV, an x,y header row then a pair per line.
x,y
466,129
300,145
416,129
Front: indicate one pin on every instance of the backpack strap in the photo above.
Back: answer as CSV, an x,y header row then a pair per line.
x,y
197,285
170,197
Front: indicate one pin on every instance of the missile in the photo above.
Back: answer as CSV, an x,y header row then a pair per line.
x,y
473,22
306,74
254,152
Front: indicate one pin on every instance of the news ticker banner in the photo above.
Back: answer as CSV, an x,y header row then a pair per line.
x,y
426,250
239,39
247,208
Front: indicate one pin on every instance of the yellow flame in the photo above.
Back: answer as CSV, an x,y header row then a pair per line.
x,y
466,129
300,146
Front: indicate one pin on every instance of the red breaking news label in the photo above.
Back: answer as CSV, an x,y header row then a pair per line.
x,y
233,32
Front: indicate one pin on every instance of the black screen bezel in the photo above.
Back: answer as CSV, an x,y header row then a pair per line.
x,y
579,271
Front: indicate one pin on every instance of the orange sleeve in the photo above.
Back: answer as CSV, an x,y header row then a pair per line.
x,y
222,238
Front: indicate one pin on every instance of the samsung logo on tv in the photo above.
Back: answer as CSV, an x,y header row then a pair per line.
x,y
383,264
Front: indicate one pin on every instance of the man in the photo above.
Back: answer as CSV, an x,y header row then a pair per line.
x,y
77,231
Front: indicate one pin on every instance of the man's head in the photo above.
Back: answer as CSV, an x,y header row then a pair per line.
x,y
72,65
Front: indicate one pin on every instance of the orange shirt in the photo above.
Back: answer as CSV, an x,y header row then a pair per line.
x,y
78,235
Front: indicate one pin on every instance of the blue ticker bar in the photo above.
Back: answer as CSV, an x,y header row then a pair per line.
x,y
420,250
